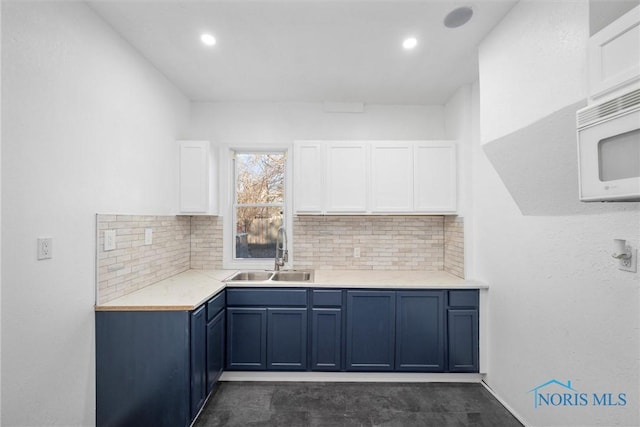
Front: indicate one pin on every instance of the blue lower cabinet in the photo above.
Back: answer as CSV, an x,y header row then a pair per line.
x,y
463,340
370,330
247,338
462,330
215,349
266,329
286,339
420,331
375,330
152,366
198,359
326,339
260,338
143,368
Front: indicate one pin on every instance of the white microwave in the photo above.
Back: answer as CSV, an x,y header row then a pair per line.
x,y
609,149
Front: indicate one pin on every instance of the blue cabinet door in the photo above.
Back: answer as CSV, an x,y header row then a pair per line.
x,y
247,338
215,349
420,331
287,339
326,339
142,368
370,335
463,340
198,339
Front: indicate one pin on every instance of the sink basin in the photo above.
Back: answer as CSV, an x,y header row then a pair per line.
x,y
275,276
293,276
250,276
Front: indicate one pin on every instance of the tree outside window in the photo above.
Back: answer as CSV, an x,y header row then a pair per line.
x,y
258,204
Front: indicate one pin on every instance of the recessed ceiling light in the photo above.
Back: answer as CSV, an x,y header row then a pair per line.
x,y
208,39
409,43
458,17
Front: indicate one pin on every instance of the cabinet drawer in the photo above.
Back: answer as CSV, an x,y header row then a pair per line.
x,y
326,298
267,297
215,305
463,298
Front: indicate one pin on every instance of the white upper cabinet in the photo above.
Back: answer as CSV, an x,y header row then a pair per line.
x,y
614,57
375,177
435,177
346,177
308,181
391,177
197,178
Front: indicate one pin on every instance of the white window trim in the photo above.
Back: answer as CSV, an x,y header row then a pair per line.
x,y
227,191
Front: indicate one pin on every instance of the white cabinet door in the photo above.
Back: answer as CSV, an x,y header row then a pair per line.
x,y
308,172
392,177
435,177
614,56
364,177
197,182
346,179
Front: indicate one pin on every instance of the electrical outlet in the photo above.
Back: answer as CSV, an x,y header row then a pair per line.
x,y
148,236
109,240
630,264
356,252
45,248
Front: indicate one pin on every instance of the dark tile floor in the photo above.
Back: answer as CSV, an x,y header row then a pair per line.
x,y
296,404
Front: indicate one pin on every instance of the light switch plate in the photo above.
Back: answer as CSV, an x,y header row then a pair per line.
x,y
109,240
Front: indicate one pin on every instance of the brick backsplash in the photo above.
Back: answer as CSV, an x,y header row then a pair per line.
x,y
179,243
134,265
206,242
454,245
426,243
385,242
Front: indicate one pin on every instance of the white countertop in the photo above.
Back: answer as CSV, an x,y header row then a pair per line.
x,y
390,279
188,290
184,291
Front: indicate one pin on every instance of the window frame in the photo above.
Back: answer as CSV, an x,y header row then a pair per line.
x,y
228,187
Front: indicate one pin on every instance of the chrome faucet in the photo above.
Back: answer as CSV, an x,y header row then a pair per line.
x,y
282,254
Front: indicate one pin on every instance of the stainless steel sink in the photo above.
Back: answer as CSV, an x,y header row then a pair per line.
x,y
275,276
250,276
293,276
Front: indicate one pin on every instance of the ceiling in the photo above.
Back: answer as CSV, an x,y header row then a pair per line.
x,y
306,50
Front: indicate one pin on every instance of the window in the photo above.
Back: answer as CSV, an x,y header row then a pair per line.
x,y
258,205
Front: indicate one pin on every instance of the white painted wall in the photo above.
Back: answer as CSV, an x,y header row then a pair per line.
x,y
457,123
537,45
283,123
88,126
458,126
560,308
0,222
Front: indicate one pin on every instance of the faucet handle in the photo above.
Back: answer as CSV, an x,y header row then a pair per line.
x,y
285,256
